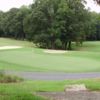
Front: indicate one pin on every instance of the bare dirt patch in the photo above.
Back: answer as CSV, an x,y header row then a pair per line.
x,y
9,47
55,51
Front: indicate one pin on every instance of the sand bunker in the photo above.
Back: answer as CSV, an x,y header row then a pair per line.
x,y
9,47
55,51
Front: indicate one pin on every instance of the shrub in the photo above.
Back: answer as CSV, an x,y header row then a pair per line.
x,y
58,44
8,78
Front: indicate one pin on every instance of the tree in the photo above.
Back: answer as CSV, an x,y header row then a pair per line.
x,y
1,22
56,19
19,22
42,20
98,1
12,22
74,18
94,33
8,23
51,23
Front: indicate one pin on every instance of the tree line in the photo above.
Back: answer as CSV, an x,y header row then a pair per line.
x,y
53,24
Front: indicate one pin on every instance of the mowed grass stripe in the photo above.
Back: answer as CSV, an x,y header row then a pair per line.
x,y
37,86
28,60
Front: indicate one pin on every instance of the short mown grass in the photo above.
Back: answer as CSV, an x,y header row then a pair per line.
x,y
32,59
57,86
12,42
82,59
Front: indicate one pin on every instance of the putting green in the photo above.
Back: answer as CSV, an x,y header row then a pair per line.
x,y
31,60
34,59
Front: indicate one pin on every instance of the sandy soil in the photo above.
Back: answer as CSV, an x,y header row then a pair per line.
x,y
9,47
55,51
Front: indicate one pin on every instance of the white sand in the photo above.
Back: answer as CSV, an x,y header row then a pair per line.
x,y
55,51
9,47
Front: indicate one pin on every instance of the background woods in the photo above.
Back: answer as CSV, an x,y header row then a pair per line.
x,y
53,24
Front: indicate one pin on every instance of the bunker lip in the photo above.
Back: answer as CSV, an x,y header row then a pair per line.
x,y
55,51
9,47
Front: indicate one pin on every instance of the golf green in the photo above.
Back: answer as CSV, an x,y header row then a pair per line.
x,y
28,58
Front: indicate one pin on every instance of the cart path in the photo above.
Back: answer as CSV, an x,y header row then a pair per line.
x,y
86,95
53,75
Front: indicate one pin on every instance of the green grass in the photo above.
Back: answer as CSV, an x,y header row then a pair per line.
x,y
11,42
14,92
85,59
22,96
93,46
44,86
29,58
26,89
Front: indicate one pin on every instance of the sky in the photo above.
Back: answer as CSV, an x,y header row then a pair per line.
x,y
5,5
93,6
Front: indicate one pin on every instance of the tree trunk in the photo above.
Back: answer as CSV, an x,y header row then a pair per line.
x,y
69,45
81,42
24,35
65,47
52,41
52,45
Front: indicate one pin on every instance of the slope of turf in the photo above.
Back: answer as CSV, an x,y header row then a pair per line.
x,y
11,42
40,86
86,59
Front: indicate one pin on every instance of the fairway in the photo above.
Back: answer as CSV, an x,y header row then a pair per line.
x,y
28,58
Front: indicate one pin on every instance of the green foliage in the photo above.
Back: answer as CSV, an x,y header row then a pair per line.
x,y
93,31
55,17
41,40
58,44
12,22
47,21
